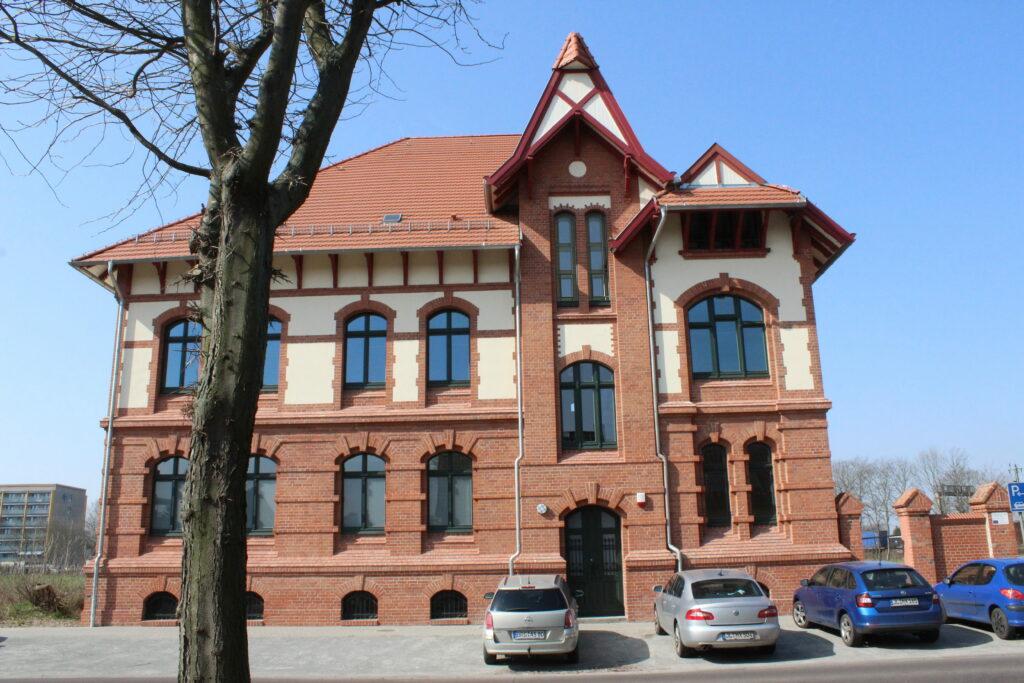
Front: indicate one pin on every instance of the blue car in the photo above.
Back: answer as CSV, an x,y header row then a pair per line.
x,y
987,591
863,598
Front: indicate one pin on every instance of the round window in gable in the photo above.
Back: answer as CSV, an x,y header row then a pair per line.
x,y
577,169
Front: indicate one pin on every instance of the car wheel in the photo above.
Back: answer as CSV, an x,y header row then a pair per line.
x,y
928,636
658,630
848,633
574,656
1000,626
800,615
681,650
490,659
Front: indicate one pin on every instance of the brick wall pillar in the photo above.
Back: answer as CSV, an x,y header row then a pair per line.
x,y
849,510
913,510
990,498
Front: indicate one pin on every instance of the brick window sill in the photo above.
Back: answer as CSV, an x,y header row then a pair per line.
x,y
734,382
591,455
458,621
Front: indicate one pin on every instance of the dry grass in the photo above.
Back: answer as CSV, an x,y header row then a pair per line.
x,y
18,608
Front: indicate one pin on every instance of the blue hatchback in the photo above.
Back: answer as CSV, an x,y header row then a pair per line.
x,y
862,598
987,591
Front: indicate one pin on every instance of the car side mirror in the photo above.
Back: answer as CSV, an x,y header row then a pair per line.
x,y
658,589
805,583
488,596
577,593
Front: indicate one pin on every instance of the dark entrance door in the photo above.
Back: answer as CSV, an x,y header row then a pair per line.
x,y
594,561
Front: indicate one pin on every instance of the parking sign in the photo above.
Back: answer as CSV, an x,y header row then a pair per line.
x,y
1016,496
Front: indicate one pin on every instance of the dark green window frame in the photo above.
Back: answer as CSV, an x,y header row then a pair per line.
x,y
761,477
363,474
261,473
565,268
186,337
364,326
448,467
597,250
272,355
706,316
178,469
448,330
573,381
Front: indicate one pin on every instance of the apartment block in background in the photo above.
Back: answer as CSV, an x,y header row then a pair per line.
x,y
30,513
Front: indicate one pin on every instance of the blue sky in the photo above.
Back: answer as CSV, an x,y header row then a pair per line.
x,y
901,120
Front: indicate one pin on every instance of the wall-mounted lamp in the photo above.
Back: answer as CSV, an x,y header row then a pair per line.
x,y
542,509
641,499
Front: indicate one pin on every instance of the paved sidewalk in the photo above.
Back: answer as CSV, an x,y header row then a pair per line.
x,y
455,652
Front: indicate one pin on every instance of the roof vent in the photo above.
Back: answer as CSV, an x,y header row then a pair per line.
x,y
392,218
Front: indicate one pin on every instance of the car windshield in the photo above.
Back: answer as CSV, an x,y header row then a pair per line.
x,y
892,579
528,600
725,588
1015,574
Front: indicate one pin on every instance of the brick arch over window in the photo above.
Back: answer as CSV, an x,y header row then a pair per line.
x,y
592,493
725,285
341,318
586,354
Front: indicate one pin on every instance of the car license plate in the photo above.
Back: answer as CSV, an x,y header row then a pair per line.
x,y
529,635
903,602
741,635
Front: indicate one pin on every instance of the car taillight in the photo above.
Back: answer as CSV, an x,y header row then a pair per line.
x,y
489,622
864,600
569,622
697,614
768,612
1012,594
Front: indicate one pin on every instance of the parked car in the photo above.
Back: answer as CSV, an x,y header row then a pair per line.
x,y
987,591
715,608
531,615
862,598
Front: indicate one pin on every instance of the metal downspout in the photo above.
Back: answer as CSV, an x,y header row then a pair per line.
x,y
112,407
654,392
519,402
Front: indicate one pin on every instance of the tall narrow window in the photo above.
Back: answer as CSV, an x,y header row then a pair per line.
x,y
362,494
727,338
597,243
448,349
565,259
716,485
450,492
272,359
260,489
588,406
762,483
366,351
168,492
181,356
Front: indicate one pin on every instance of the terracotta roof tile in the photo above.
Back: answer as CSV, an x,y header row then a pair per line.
x,y
731,195
435,183
574,49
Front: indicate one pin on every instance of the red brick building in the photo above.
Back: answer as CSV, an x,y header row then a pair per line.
x,y
543,352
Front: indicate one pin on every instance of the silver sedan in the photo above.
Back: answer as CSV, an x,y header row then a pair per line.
x,y
715,608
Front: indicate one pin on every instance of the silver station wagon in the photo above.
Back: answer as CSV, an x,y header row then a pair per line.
x,y
715,608
531,615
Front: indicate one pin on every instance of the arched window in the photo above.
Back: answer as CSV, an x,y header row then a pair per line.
x,y
448,349
366,351
716,485
362,494
597,245
358,605
168,491
450,492
727,338
272,358
253,606
565,259
260,488
448,605
181,355
160,606
762,483
588,406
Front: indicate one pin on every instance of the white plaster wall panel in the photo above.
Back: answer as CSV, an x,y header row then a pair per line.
x,y
289,280
176,282
796,356
352,270
497,367
145,279
316,271
492,265
580,201
575,86
731,177
310,373
387,269
668,362
458,267
422,268
709,176
556,110
135,378
405,370
573,337
140,318
496,308
310,315
405,305
645,191
597,108
778,272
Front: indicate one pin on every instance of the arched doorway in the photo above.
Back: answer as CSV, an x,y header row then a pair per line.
x,y
593,554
